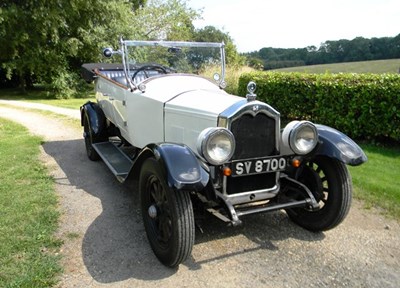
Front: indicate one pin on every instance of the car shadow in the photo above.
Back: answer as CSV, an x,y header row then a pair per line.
x,y
264,231
115,246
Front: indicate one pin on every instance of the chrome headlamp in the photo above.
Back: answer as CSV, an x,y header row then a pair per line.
x,y
300,136
216,145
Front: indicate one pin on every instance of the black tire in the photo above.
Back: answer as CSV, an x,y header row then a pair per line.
x,y
171,229
90,139
330,182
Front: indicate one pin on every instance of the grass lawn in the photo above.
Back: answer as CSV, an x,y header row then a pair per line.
x,y
65,103
40,96
377,181
28,212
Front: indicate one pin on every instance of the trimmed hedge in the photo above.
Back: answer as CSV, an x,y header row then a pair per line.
x,y
364,106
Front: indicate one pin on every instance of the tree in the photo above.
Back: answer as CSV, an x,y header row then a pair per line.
x,y
46,41
395,47
358,49
268,54
255,63
212,34
165,20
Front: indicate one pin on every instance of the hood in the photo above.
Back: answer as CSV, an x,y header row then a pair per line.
x,y
202,102
167,87
189,113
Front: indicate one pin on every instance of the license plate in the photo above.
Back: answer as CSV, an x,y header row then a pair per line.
x,y
257,166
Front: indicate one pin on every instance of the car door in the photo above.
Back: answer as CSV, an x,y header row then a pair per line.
x,y
104,97
119,107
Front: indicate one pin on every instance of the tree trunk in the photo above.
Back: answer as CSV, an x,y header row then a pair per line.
x,y
21,80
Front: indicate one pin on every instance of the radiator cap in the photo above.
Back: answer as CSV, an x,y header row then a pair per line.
x,y
251,88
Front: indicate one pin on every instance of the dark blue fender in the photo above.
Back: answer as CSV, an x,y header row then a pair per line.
x,y
96,117
335,144
181,166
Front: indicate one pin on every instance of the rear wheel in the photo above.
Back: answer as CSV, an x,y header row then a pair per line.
x,y
167,215
90,139
330,183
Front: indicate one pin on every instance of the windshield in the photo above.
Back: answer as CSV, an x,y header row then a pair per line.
x,y
202,58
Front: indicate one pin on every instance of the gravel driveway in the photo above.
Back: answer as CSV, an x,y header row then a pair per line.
x,y
106,246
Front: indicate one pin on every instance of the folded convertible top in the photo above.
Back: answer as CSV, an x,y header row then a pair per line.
x,y
88,68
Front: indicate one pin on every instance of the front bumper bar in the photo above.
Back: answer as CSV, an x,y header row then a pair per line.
x,y
232,213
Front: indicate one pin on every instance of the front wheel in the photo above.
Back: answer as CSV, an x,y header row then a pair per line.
x,y
330,183
167,216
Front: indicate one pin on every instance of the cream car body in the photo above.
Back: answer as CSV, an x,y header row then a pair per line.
x,y
191,144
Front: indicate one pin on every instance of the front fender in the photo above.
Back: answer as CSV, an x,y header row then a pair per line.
x,y
180,165
335,144
96,116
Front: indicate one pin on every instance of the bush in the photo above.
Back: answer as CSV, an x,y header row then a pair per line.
x,y
232,75
66,85
364,106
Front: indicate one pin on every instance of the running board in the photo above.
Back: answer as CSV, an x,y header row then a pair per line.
x,y
116,160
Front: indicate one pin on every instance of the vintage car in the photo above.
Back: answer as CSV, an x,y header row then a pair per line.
x,y
193,147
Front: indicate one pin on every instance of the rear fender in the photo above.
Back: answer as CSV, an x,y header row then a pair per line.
x,y
335,144
97,119
180,165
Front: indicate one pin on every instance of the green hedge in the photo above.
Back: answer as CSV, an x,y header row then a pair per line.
x,y
364,106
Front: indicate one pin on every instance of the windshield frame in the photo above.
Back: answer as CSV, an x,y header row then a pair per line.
x,y
125,44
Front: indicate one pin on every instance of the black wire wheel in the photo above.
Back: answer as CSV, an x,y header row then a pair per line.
x,y
330,183
167,216
90,139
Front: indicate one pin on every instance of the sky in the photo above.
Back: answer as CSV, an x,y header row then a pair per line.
x,y
254,24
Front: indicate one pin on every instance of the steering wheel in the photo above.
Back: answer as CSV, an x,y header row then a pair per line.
x,y
145,68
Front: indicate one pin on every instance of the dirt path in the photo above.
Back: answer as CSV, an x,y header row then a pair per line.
x,y
106,246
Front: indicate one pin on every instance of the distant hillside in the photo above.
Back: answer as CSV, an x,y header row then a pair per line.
x,y
339,51
376,67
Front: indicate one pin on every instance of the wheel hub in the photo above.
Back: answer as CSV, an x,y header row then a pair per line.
x,y
312,180
152,212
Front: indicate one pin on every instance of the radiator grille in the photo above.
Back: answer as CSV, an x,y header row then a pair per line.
x,y
254,136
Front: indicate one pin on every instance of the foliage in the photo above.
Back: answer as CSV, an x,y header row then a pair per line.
x,y
212,34
46,41
164,20
255,63
358,49
158,29
232,76
361,105
172,20
28,208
